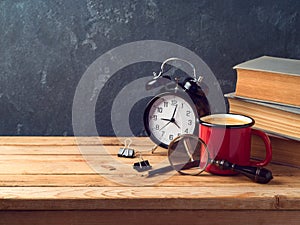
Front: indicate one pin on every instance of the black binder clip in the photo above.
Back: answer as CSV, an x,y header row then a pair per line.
x,y
142,165
126,151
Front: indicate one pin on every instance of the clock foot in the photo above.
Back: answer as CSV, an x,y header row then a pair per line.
x,y
154,148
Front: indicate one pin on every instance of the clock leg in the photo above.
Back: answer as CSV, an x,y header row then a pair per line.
x,y
154,148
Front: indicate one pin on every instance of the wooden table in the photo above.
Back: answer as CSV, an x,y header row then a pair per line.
x,y
47,180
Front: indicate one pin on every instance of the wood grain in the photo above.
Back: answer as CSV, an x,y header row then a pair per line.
x,y
150,217
85,198
42,174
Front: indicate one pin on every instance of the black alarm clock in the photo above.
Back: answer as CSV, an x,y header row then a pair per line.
x,y
176,109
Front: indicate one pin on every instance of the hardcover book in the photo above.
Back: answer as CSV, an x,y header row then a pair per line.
x,y
271,79
276,119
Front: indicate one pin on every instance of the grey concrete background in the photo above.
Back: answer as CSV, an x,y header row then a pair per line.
x,y
46,46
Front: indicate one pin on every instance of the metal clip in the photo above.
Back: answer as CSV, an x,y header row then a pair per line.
x,y
142,165
126,151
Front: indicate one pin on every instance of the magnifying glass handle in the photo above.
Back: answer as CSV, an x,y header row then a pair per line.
x,y
257,174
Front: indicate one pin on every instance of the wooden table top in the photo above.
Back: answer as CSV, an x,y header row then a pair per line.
x,y
47,173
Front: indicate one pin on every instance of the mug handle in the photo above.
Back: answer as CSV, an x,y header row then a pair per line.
x,y
268,146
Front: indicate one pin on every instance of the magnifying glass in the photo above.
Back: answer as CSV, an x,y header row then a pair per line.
x,y
189,155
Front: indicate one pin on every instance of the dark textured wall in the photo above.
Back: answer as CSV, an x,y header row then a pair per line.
x,y
46,46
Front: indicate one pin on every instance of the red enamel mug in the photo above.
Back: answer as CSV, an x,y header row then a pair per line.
x,y
228,137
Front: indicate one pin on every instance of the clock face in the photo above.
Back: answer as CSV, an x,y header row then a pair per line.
x,y
168,116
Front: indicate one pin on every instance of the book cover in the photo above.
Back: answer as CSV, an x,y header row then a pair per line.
x,y
272,65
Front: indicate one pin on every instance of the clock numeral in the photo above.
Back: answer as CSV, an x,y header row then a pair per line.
x,y
178,134
174,102
188,113
190,122
154,117
171,137
166,104
163,133
160,109
182,105
157,127
186,131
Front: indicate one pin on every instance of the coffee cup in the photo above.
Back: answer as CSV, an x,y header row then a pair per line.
x,y
228,137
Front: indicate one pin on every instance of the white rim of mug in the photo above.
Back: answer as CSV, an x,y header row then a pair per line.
x,y
248,124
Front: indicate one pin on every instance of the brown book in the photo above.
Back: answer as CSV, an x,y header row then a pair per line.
x,y
285,151
271,79
275,119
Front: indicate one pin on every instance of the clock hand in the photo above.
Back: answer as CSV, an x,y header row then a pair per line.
x,y
172,120
172,117
176,124
165,125
174,112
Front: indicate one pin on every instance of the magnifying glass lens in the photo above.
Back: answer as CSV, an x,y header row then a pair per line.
x,y
188,154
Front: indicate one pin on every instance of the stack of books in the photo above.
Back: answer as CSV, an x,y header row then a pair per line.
x,y
268,90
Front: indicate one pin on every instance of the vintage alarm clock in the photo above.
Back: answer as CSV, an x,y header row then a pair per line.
x,y
177,107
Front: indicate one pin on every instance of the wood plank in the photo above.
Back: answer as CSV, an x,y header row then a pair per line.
x,y
151,217
54,164
23,165
133,198
90,180
43,163
55,180
126,198
47,173
70,149
67,141
37,178
39,150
